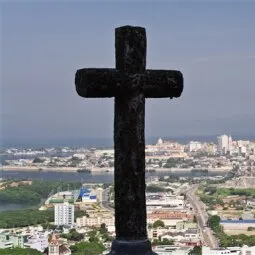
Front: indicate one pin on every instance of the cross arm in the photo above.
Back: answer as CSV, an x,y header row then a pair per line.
x,y
107,82
98,82
163,83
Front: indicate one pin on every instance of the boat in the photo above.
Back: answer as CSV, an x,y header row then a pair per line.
x,y
84,171
199,171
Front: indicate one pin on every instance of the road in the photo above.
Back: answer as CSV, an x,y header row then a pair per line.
x,y
198,206
105,200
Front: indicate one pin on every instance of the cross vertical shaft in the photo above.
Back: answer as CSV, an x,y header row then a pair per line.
x,y
129,174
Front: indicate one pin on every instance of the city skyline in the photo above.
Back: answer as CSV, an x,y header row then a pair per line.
x,y
43,44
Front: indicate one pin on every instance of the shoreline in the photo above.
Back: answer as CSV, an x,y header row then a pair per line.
x,y
104,170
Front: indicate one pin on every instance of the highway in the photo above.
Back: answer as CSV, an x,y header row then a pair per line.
x,y
105,200
198,206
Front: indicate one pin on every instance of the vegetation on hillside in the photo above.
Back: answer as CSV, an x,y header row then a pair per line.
x,y
32,194
23,218
28,217
19,251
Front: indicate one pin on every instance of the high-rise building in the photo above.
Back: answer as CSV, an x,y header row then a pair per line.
x,y
194,146
224,144
64,214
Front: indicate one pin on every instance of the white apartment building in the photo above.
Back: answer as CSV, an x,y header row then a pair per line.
x,y
242,150
95,221
194,146
64,214
38,241
224,144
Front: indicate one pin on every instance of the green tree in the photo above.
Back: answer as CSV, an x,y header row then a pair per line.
x,y
93,238
73,235
19,251
164,241
88,248
214,222
197,250
154,188
32,194
38,160
158,223
23,218
103,229
27,217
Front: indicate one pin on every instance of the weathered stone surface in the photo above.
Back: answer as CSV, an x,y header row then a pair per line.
x,y
130,49
106,82
129,146
101,82
130,84
163,83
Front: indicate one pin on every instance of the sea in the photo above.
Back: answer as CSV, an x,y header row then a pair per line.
x,y
107,142
97,177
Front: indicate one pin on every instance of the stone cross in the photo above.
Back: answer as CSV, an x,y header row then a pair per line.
x,y
130,83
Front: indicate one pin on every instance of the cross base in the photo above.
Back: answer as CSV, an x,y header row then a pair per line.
x,y
133,247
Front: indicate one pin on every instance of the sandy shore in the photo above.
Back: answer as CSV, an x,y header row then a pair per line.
x,y
103,170
51,169
43,169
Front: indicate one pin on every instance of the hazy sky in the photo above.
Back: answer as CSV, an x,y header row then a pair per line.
x,y
43,44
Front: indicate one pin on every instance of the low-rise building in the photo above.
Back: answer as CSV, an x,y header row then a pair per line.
x,y
237,224
184,225
182,238
171,250
250,202
170,218
24,239
247,216
6,244
94,221
164,200
18,239
38,241
245,250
